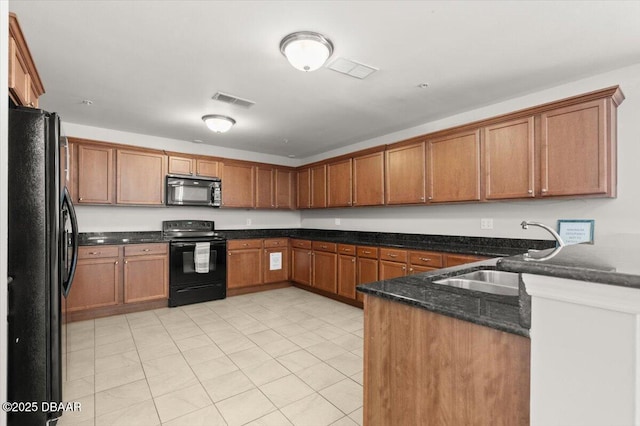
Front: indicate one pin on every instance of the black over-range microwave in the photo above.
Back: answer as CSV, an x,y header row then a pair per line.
x,y
189,191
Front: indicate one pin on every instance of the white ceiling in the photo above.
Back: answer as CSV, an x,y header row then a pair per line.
x,y
151,67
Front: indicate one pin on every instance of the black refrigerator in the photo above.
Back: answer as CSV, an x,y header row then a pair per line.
x,y
43,246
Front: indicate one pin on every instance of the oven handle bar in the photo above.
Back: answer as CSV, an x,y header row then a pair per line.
x,y
213,243
195,287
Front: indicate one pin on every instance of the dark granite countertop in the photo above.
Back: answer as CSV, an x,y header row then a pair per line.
x,y
612,260
114,238
505,313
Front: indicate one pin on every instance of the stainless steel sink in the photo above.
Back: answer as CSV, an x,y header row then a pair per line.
x,y
486,281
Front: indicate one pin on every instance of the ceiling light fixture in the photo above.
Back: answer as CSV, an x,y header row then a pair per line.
x,y
306,50
218,123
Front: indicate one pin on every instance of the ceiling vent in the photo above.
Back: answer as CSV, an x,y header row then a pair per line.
x,y
234,100
352,68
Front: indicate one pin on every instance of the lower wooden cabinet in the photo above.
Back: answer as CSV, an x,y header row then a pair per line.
x,y
110,280
301,265
324,270
347,273
276,260
424,368
366,267
244,263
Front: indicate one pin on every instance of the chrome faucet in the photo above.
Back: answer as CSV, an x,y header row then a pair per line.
x,y
527,256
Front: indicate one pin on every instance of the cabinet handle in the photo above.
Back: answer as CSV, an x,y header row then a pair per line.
x,y
126,261
31,104
245,244
392,255
146,249
530,191
366,252
323,246
404,268
353,260
276,243
422,198
425,259
265,251
94,252
544,189
430,197
116,262
410,269
80,199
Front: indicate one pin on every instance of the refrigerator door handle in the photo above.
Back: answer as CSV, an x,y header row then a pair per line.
x,y
66,286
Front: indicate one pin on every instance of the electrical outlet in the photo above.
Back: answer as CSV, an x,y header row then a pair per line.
x,y
486,223
248,222
337,221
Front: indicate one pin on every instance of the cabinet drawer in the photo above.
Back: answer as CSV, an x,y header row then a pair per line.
x,y
93,252
243,244
426,258
368,252
306,244
145,249
275,242
347,249
393,255
323,246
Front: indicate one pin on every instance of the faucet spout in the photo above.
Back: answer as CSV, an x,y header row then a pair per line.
x,y
525,225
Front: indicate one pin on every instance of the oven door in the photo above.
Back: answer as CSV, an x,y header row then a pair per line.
x,y
188,286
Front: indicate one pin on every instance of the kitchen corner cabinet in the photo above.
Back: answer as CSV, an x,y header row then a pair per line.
x,y
339,175
279,248
578,149
405,173
25,86
146,272
238,184
97,282
244,263
423,368
453,168
508,159
368,179
140,177
93,171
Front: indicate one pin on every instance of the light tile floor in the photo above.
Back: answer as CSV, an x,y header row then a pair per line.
x,y
278,358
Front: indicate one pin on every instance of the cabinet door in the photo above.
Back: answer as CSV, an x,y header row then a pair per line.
x,y
508,151
304,189
405,174
347,276
339,183
244,267
146,278
284,189
140,177
453,168
368,179
367,272
576,159
238,185
276,265
18,75
390,270
301,266
319,186
95,174
208,168
324,271
181,165
420,269
265,187
96,284
461,259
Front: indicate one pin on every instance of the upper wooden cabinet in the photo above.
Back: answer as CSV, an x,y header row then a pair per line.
x,y
318,186
93,173
368,179
339,183
265,187
453,167
238,184
578,150
285,189
303,199
208,168
181,165
25,86
405,174
508,159
140,177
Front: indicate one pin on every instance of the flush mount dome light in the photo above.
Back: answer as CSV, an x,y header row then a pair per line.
x,y
218,123
306,50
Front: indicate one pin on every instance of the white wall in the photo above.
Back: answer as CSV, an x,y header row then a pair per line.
x,y
612,216
109,219
4,76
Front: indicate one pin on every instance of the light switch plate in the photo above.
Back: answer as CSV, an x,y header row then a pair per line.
x,y
486,223
248,222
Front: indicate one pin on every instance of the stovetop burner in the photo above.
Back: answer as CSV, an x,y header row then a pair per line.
x,y
180,230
